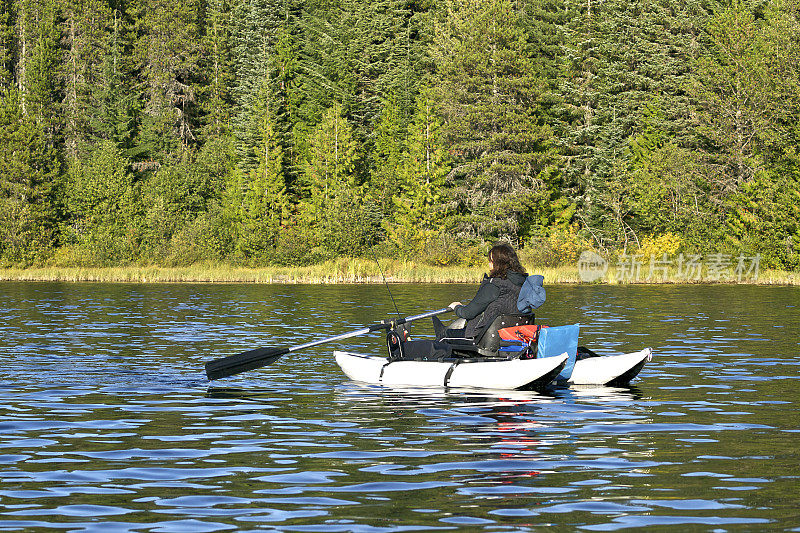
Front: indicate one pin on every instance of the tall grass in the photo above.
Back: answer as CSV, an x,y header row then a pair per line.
x,y
342,270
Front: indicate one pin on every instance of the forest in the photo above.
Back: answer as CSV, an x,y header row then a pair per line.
x,y
290,132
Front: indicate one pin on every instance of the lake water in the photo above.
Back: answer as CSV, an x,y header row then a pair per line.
x,y
109,424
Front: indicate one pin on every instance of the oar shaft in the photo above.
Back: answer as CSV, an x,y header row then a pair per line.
x,y
356,333
367,329
423,315
259,357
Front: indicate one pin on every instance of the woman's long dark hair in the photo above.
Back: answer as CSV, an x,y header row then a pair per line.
x,y
505,259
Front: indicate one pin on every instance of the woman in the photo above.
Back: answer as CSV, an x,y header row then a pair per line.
x,y
497,295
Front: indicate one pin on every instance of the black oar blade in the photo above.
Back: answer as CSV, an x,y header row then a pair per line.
x,y
234,364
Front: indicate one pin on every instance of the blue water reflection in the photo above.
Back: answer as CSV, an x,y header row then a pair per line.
x,y
108,423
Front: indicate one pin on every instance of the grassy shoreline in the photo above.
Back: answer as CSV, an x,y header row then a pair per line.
x,y
346,271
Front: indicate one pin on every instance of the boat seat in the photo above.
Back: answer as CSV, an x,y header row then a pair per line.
x,y
489,342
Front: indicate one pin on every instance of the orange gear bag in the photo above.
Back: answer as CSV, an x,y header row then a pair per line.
x,y
527,333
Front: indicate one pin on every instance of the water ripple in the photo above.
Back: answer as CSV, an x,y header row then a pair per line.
x,y
108,424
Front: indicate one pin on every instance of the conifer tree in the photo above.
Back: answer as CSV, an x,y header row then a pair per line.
x,y
217,66
30,163
418,208
333,206
264,205
731,80
360,53
86,27
489,96
286,98
751,108
39,60
253,41
114,103
28,173
390,137
621,59
101,200
6,43
167,51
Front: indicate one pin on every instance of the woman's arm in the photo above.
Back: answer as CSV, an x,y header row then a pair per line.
x,y
487,293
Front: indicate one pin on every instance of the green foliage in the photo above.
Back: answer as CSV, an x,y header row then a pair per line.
x,y
747,83
87,26
216,67
420,177
167,53
733,86
291,132
6,43
101,201
666,186
264,206
175,195
28,172
359,53
334,207
764,218
387,156
39,90
561,246
621,61
113,106
489,94
446,250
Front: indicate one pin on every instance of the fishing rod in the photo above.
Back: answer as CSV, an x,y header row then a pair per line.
x,y
386,283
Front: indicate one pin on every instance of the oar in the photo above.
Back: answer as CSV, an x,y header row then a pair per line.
x,y
249,360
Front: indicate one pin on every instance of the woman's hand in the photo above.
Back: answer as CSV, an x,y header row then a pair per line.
x,y
454,305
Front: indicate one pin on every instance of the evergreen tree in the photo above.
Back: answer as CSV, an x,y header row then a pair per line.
x,y
665,187
286,98
39,60
254,38
264,47
264,205
732,80
333,207
167,52
390,137
27,174
30,166
361,53
217,66
86,26
418,209
622,59
489,96
114,103
751,112
6,43
101,199
291,130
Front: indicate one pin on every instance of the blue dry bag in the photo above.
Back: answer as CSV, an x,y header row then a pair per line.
x,y
557,340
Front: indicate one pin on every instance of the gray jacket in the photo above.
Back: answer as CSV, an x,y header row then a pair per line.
x,y
495,297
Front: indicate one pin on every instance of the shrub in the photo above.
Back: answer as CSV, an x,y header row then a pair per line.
x,y
658,245
297,247
449,251
562,246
